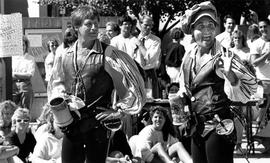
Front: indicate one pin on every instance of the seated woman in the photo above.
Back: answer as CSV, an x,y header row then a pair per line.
x,y
7,109
21,135
7,152
157,142
49,146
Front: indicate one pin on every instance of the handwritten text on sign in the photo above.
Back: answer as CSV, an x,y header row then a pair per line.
x,y
11,35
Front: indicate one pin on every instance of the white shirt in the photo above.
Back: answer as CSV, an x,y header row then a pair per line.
x,y
49,65
243,53
127,45
48,147
23,64
224,39
147,138
258,48
153,51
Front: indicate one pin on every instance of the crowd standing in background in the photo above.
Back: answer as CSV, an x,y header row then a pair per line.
x,y
23,69
252,34
70,36
174,53
149,56
112,29
52,45
260,53
225,37
106,77
125,41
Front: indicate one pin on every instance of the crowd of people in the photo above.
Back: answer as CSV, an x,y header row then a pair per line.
x,y
98,83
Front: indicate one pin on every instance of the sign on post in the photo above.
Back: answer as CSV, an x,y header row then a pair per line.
x,y
11,35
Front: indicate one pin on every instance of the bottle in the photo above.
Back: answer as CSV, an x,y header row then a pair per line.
x,y
164,94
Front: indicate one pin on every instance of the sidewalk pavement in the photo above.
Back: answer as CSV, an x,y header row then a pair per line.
x,y
257,157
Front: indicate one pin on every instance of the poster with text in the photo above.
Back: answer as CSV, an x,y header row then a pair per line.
x,y
39,38
11,35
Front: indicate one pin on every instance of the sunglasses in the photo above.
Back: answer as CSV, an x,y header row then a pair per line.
x,y
23,120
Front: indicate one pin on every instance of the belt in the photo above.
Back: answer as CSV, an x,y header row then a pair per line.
x,y
21,80
89,112
222,113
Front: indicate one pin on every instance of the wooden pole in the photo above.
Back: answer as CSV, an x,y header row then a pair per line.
x,y
8,81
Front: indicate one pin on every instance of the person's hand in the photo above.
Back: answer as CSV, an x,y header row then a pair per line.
x,y
227,57
4,147
108,114
75,103
52,160
138,42
136,160
125,159
12,148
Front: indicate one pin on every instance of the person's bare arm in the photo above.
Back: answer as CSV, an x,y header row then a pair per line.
x,y
257,60
8,151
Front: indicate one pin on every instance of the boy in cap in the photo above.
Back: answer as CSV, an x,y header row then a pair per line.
x,y
91,70
210,79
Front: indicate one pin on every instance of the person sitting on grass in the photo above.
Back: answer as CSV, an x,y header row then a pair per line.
x,y
157,142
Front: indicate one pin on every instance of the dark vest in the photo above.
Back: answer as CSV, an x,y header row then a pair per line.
x,y
96,80
206,87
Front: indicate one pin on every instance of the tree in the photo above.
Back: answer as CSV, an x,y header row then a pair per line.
x,y
232,7
161,10
164,10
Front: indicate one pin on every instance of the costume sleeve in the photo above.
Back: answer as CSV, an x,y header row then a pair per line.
x,y
182,86
246,86
152,55
56,85
127,80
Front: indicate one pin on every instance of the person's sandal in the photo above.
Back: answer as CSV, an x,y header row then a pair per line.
x,y
258,139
